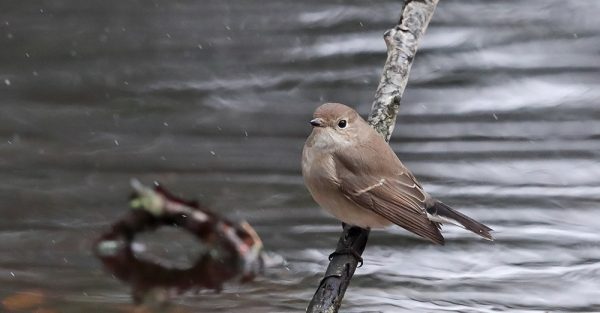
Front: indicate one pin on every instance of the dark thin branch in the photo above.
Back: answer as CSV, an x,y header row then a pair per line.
x,y
402,42
328,296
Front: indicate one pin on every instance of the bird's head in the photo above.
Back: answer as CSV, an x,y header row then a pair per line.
x,y
335,124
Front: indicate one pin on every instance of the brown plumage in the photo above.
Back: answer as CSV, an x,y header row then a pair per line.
x,y
354,174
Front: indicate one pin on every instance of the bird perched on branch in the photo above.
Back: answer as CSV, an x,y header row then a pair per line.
x,y
353,173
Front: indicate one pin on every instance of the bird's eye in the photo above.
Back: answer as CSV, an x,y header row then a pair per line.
x,y
342,123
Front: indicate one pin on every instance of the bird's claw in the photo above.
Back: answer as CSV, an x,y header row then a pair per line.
x,y
349,251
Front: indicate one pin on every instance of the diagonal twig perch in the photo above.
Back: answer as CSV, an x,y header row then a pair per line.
x,y
402,42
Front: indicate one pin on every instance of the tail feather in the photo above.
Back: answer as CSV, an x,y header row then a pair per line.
x,y
442,213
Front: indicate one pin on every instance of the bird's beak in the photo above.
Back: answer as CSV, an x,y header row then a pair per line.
x,y
317,122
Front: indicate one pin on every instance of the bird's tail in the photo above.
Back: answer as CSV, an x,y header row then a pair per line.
x,y
442,213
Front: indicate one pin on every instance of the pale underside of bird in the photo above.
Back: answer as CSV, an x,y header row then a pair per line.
x,y
353,173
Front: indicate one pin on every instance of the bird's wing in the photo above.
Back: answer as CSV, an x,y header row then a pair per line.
x,y
388,190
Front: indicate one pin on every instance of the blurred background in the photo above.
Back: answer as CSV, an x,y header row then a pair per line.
x,y
212,98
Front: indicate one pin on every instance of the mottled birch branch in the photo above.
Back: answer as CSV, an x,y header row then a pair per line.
x,y
402,42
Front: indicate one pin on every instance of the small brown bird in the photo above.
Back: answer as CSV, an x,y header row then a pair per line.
x,y
354,174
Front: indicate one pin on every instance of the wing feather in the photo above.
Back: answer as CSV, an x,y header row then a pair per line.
x,y
397,196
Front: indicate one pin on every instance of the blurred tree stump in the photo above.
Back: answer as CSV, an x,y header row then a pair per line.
x,y
233,250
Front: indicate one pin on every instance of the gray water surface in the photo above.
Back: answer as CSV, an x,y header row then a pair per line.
x,y
500,119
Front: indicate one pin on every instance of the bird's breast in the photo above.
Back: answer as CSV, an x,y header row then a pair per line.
x,y
318,167
320,177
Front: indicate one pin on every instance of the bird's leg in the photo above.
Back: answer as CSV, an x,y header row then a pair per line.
x,y
348,250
